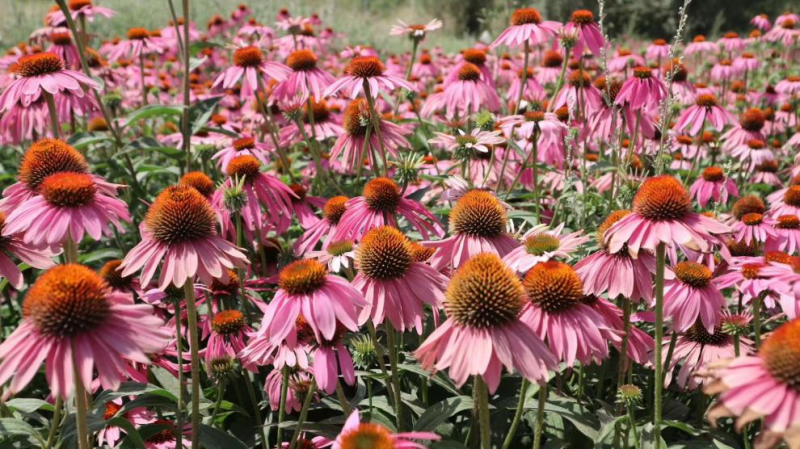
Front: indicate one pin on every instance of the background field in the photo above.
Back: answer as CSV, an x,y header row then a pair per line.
x,y
368,21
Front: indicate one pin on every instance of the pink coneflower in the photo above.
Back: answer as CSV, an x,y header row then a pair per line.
x,y
640,344
69,206
331,357
641,90
396,285
267,188
550,131
318,113
332,212
226,338
378,206
477,140
699,46
746,62
750,126
761,21
414,32
754,152
622,59
180,229
753,228
589,34
731,42
705,109
323,299
468,93
299,384
80,9
42,73
761,386
356,434
305,78
483,331
526,26
111,435
712,184
352,145
541,244
617,273
662,213
139,42
478,224
580,90
64,48
248,62
724,71
573,330
788,204
336,255
689,295
245,145
657,50
15,246
370,70
696,348
767,173
787,235
784,31
748,276
71,316
302,204
789,86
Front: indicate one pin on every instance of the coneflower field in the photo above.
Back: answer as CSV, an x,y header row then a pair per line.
x,y
258,232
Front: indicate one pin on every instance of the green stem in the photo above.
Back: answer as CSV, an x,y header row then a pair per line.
x,y
672,341
523,389
51,107
380,356
342,399
537,436
398,403
525,163
256,408
482,393
282,409
187,148
70,251
51,436
524,79
560,81
303,413
658,382
194,343
144,87
632,423
376,125
80,406
240,271
757,320
220,394
181,380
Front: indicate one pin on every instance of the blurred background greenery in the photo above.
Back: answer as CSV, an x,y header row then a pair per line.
x,y
368,21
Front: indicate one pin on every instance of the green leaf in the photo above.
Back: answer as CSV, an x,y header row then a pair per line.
x,y
196,62
681,426
81,140
212,438
200,112
441,412
197,47
437,378
13,427
132,434
29,405
100,254
152,111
